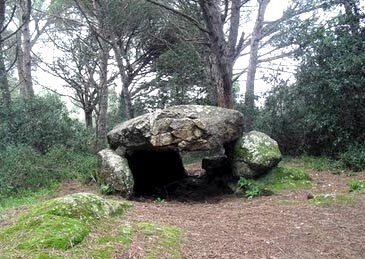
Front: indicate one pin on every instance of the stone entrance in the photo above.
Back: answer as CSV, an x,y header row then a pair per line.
x,y
144,155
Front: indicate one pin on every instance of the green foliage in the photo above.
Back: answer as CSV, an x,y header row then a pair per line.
x,y
354,157
22,168
159,200
285,178
323,112
41,123
106,189
278,179
181,79
328,199
319,163
357,186
249,188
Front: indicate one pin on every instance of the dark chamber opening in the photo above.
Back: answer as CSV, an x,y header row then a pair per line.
x,y
155,171
164,174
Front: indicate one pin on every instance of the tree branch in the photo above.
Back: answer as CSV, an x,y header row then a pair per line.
x,y
186,16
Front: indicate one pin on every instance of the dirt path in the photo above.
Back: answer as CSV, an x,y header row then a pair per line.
x,y
280,226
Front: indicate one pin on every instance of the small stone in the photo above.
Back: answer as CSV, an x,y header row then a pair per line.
x,y
310,196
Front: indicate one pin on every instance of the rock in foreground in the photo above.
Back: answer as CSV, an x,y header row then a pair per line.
x,y
60,223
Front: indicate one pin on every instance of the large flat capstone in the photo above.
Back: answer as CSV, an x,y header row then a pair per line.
x,y
180,128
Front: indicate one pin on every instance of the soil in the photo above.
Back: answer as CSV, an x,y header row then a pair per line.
x,y
279,226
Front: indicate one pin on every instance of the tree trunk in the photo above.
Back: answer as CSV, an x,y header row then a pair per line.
x,y
126,81
88,118
218,46
127,98
4,83
19,64
251,72
104,95
25,6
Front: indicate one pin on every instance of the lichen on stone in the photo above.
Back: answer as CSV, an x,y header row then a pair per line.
x,y
258,151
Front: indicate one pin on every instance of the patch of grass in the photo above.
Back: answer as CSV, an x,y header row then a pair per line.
x,y
162,241
315,163
23,169
329,199
104,246
285,178
168,240
357,186
26,197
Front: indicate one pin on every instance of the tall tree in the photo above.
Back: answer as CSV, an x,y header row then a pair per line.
x,y
24,49
256,36
224,47
323,113
4,83
138,37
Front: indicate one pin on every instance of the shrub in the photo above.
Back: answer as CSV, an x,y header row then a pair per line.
x,y
22,168
354,158
41,123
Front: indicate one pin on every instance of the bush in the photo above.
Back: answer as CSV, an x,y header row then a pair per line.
x,y
41,123
354,158
22,168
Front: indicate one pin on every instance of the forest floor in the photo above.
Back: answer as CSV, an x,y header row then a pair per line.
x,y
284,225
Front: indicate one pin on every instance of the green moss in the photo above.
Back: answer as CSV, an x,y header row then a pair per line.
x,y
45,231
59,223
168,240
328,199
83,206
285,178
124,237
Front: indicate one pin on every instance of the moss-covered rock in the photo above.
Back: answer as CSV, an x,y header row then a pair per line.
x,y
258,151
59,223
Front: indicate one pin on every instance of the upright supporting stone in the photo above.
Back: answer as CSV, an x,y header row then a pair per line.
x,y
115,172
